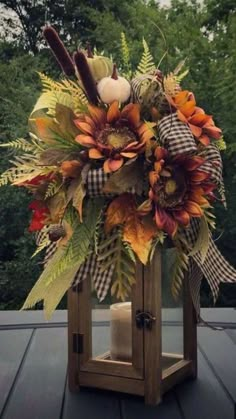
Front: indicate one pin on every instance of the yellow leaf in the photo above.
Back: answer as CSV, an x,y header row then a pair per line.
x,y
119,211
139,232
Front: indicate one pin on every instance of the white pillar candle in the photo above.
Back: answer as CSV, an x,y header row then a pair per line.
x,y
121,332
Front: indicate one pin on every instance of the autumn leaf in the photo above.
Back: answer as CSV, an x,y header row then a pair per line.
x,y
139,232
119,210
57,205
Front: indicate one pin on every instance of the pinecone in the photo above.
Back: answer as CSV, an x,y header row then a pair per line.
x,y
56,232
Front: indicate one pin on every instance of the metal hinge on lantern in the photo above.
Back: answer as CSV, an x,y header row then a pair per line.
x,y
78,343
144,319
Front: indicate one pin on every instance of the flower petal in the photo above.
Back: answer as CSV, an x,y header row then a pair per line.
x,y
182,217
111,165
196,131
98,115
128,155
113,112
204,139
213,131
160,218
133,115
199,176
181,98
85,127
193,209
188,108
94,153
199,119
160,153
193,163
153,177
85,140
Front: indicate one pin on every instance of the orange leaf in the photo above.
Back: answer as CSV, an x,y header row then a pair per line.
x,y
119,210
139,233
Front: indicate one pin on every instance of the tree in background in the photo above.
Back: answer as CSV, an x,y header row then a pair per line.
x,y
203,33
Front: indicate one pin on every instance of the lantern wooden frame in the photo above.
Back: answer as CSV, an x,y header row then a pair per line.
x,y
145,376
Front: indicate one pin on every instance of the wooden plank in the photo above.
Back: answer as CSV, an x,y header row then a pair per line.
x,y
73,327
121,384
190,327
152,338
39,388
90,404
13,344
204,397
134,408
220,351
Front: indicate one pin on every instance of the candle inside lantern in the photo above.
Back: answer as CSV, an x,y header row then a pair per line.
x,y
121,332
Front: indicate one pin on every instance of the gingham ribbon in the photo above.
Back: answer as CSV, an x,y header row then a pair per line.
x,y
178,139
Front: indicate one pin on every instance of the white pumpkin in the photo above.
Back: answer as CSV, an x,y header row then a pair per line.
x,y
114,88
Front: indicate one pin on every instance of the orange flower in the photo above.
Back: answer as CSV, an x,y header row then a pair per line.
x,y
201,124
179,190
113,135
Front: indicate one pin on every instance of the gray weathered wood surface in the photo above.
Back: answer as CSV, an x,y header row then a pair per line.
x,y
33,372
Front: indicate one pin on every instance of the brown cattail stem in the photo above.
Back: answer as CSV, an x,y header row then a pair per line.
x,y
86,77
59,50
114,73
89,50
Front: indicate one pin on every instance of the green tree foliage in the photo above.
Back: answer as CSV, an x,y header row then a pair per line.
x,y
202,32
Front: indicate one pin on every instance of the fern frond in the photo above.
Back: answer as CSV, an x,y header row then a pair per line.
x,y
125,53
113,251
19,144
180,267
41,246
52,188
146,64
72,88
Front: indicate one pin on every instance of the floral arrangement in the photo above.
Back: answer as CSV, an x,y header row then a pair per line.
x,y
116,165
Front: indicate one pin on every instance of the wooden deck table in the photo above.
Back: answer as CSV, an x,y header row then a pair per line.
x,y
33,373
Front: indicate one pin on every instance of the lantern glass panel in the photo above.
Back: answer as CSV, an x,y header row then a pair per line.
x,y
172,313
111,329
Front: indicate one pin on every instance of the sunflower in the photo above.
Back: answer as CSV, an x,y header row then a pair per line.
x,y
179,190
114,135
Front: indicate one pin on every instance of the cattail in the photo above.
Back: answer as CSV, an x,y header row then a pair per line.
x,y
59,50
86,77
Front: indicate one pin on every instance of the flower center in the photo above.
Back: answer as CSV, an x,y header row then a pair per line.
x,y
117,138
170,191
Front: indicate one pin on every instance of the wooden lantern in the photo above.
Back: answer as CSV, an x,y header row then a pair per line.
x,y
155,366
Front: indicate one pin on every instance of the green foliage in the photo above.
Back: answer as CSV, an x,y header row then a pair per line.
x,y
146,64
61,268
113,251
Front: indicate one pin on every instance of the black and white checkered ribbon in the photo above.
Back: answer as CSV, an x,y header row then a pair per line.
x,y
178,139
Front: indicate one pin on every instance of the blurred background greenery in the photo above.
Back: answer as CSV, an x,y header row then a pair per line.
x,y
203,32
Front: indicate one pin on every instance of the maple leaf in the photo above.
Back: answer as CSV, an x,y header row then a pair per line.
x,y
139,232
119,210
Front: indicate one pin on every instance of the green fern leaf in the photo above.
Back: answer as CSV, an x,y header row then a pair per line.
x,y
146,64
61,268
52,188
113,251
180,267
